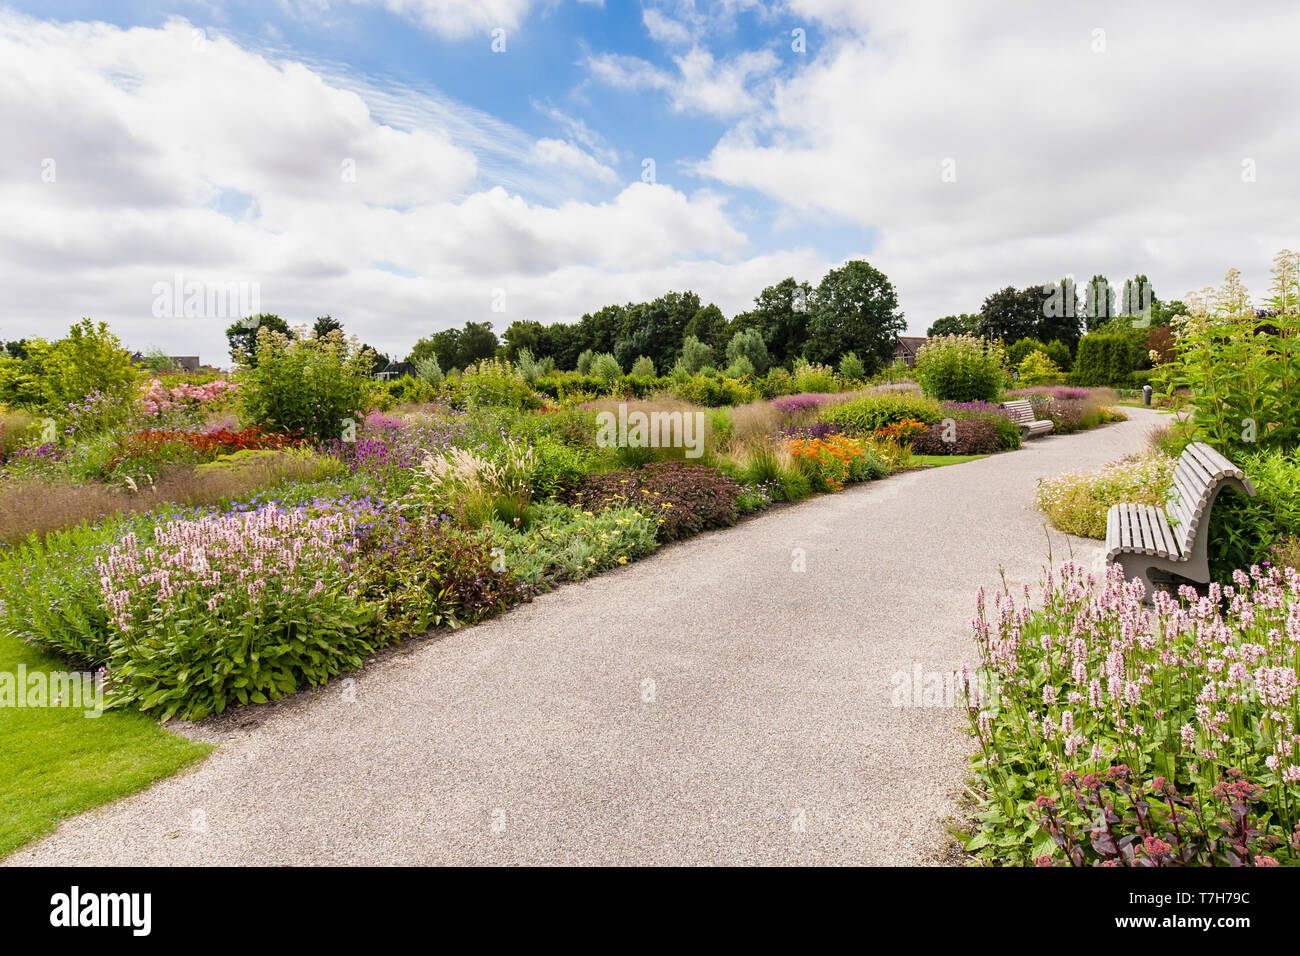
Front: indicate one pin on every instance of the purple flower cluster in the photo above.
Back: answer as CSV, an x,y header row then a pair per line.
x,y
50,452
976,409
812,430
791,405
1061,393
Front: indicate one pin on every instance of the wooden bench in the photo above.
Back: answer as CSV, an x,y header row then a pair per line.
x,y
1023,412
1172,539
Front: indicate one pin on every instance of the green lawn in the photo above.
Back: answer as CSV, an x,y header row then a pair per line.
x,y
56,762
922,461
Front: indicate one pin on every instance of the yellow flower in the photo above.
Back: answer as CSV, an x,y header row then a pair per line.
x,y
622,560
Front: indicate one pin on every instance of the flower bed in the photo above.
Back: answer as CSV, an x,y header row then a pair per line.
x,y
688,498
1077,502
1117,734
834,461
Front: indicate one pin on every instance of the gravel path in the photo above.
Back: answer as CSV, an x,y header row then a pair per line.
x,y
707,705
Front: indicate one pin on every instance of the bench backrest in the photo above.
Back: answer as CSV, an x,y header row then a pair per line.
x,y
1200,473
1021,408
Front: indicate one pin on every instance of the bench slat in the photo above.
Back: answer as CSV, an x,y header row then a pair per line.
x,y
1213,462
1148,533
1112,529
1164,534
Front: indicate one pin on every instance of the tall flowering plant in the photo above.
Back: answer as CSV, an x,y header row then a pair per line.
x,y
1195,694
232,608
835,460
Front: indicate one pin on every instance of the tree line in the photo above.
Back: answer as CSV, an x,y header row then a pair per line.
x,y
853,309
1060,311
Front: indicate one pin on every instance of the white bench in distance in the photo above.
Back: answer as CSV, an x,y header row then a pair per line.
x,y
1023,411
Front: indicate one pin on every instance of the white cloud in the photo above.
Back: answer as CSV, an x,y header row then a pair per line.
x,y
663,29
1066,159
558,152
701,84
221,165
456,19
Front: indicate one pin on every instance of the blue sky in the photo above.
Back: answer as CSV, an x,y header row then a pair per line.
x,y
376,159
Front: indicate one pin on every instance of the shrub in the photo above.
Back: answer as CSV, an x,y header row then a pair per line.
x,y
688,498
643,367
1195,694
696,356
493,382
814,377
964,436
960,368
867,415
1004,423
421,574
1243,530
308,385
713,390
569,544
1077,502
606,369
585,358
740,368
1036,367
428,370
1103,359
851,367
1242,367
750,346
54,375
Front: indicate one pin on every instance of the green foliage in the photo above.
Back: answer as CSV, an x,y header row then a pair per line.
x,y
748,345
961,368
685,498
606,368
696,356
713,389
1077,502
1036,368
964,324
854,309
569,544
429,370
740,367
1243,530
813,377
57,374
242,336
643,367
1243,371
585,359
306,385
1103,359
851,368
863,416
493,382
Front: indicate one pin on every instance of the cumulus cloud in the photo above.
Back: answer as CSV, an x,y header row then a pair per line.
x,y
989,144
142,156
701,84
